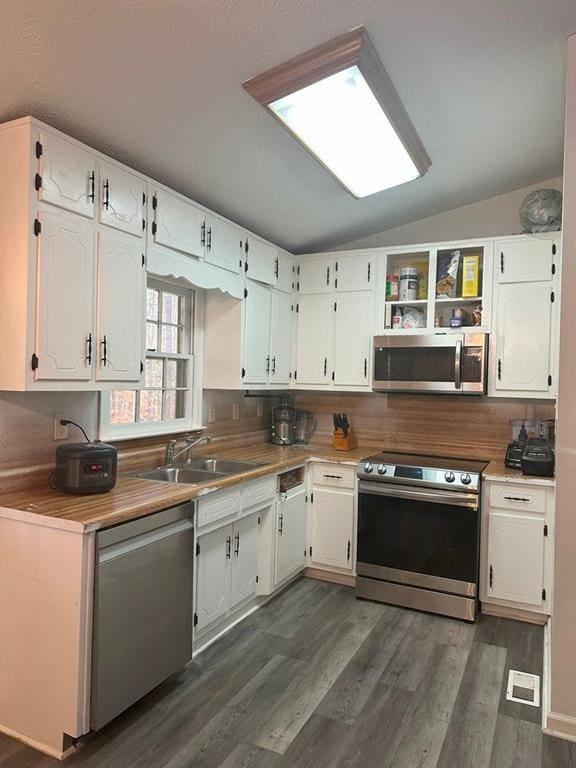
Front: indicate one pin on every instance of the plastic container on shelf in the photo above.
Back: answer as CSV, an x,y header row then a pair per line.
x,y
409,278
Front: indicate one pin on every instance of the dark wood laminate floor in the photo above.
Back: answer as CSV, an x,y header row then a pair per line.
x,y
318,679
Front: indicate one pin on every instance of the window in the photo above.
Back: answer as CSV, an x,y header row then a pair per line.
x,y
165,403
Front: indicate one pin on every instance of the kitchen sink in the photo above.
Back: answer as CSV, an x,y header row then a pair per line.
x,y
197,471
222,466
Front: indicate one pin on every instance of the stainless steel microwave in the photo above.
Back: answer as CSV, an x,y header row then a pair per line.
x,y
446,363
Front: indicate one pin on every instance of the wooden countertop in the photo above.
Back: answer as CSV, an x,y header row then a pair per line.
x,y
135,497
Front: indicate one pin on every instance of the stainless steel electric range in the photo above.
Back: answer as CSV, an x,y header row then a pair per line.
x,y
419,532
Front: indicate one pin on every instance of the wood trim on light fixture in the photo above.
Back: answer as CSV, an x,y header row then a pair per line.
x,y
342,52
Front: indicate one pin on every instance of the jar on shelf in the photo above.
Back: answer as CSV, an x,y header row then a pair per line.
x,y
409,277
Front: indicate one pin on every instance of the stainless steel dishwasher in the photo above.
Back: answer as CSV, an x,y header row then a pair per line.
x,y
143,611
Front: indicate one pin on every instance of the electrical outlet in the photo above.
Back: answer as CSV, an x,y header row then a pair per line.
x,y
211,414
235,411
260,409
60,431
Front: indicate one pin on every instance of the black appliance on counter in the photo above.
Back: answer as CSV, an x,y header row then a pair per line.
x,y
538,458
84,468
419,532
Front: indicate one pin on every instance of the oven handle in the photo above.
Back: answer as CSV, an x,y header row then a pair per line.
x,y
435,497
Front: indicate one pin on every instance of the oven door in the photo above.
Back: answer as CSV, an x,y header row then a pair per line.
x,y
420,537
454,363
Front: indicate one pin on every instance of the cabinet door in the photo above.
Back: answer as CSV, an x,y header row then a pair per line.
x,y
120,307
244,559
285,276
261,260
290,536
213,573
524,261
353,339
354,273
522,360
65,298
178,224
280,338
223,244
315,276
315,318
68,175
256,334
515,558
121,200
332,528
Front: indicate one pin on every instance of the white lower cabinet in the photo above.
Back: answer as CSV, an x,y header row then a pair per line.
x,y
517,546
213,575
226,569
331,529
291,523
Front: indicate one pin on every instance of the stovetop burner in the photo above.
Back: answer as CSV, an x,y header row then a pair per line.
x,y
429,471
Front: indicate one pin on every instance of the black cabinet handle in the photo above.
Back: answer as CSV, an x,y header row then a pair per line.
x,y
334,477
228,547
268,364
209,239
281,523
325,365
89,345
237,547
516,498
106,194
365,367
501,262
369,266
104,351
499,369
491,576
348,552
274,364
203,234
327,275
92,194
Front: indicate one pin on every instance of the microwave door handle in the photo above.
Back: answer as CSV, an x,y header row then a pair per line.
x,y
458,366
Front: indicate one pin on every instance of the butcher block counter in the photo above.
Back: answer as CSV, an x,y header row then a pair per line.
x,y
135,497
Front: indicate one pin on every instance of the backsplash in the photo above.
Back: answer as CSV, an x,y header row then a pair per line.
x,y
248,420
442,425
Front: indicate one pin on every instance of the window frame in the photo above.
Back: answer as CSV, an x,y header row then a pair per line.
x,y
193,398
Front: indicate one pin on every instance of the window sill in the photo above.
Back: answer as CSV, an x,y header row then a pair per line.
x,y
120,434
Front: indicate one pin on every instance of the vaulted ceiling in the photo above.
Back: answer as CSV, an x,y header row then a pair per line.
x,y
157,84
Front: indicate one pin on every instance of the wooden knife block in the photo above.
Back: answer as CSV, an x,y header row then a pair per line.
x,y
342,443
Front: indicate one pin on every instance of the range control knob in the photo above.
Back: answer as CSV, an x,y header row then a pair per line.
x,y
382,469
449,477
465,479
368,467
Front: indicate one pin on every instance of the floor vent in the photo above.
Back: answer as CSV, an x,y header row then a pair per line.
x,y
523,688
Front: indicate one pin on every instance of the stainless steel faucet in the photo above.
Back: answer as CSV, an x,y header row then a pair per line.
x,y
191,442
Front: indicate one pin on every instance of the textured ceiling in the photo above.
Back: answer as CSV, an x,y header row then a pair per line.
x,y
157,84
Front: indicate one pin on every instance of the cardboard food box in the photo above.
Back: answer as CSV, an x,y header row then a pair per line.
x,y
470,275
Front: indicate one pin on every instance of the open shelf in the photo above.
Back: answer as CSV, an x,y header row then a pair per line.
x,y
407,303
456,300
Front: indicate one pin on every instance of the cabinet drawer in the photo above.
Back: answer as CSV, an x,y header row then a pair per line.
x,y
216,506
336,475
507,496
258,492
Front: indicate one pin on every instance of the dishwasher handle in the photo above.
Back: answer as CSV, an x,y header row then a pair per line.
x,y
121,548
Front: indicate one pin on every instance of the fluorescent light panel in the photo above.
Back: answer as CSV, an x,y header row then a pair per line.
x,y
341,122
339,102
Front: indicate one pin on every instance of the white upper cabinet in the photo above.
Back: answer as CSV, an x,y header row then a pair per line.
x,y
178,224
315,319
122,199
516,547
524,343
529,260
280,337
121,283
260,260
354,272
257,306
523,321
315,276
284,272
223,244
66,175
353,339
65,343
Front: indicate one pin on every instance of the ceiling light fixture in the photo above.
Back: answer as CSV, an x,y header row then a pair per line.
x,y
339,102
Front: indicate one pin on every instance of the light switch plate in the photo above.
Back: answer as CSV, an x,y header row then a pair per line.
x,y
235,411
260,409
211,414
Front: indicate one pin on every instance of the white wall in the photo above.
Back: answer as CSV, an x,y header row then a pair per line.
x,y
492,217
